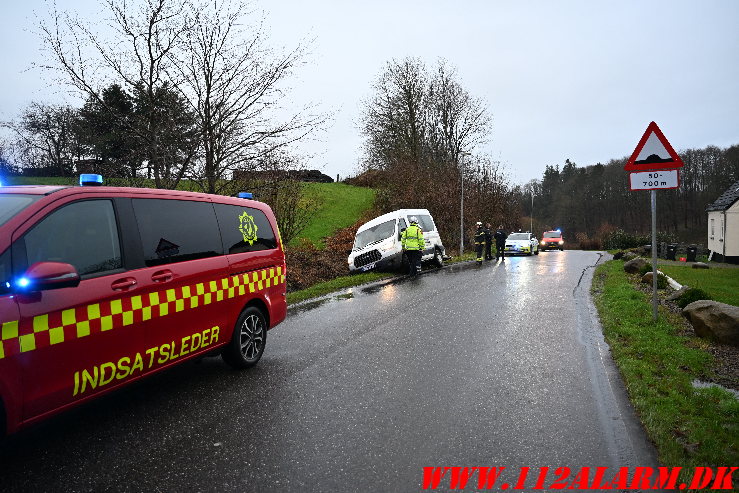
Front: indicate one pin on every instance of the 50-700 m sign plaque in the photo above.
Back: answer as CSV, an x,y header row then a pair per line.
x,y
652,180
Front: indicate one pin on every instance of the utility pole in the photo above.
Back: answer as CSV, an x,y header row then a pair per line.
x,y
532,211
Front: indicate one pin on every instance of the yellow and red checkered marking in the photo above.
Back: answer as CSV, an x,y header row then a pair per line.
x,y
75,323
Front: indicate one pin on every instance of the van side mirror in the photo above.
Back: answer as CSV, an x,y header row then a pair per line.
x,y
43,276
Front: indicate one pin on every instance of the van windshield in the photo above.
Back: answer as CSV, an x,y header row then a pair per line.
x,y
374,234
552,234
11,204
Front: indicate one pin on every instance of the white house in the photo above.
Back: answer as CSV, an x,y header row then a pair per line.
x,y
723,226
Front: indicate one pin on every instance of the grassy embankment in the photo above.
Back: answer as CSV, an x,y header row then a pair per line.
x,y
658,362
339,206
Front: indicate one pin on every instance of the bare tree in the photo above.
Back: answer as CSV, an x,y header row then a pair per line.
x,y
136,56
421,118
44,138
234,82
457,122
394,119
416,127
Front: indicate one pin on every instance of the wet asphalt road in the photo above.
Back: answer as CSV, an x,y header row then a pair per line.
x,y
499,365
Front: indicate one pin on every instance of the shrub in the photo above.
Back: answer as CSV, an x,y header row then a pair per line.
x,y
691,295
620,239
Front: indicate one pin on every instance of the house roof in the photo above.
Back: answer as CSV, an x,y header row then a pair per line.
x,y
726,200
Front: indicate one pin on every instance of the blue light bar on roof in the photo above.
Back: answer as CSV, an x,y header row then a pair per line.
x,y
90,180
246,195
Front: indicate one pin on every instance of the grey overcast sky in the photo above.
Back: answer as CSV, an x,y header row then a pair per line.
x,y
562,79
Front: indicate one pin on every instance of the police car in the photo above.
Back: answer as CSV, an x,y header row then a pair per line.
x,y
101,286
521,243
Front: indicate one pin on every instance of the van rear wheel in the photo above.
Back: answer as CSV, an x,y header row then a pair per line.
x,y
248,340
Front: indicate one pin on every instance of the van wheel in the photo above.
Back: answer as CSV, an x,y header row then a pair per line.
x,y
248,340
438,258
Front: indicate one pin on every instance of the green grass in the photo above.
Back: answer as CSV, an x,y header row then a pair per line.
x,y
690,427
340,206
334,285
721,284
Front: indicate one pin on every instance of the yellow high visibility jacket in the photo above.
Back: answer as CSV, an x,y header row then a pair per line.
x,y
412,238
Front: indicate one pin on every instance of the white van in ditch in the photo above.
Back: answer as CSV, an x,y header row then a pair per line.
x,y
377,242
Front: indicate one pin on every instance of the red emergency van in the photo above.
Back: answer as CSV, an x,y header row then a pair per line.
x,y
101,286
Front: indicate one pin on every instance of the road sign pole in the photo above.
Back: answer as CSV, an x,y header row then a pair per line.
x,y
654,254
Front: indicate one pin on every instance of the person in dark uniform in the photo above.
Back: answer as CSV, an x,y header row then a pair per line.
x,y
479,242
488,242
500,237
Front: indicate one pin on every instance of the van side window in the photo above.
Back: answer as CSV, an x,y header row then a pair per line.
x,y
83,234
401,225
176,230
5,273
426,223
244,229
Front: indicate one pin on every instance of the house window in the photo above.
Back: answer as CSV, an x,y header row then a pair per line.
x,y
713,233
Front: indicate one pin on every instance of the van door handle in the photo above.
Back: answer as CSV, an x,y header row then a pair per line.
x,y
122,284
162,276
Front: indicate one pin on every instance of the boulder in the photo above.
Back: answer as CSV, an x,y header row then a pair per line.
x,y
647,278
675,295
629,256
634,265
714,320
700,265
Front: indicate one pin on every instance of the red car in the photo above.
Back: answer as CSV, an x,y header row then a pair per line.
x,y
101,286
552,240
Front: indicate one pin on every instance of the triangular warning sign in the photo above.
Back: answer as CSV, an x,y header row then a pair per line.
x,y
653,152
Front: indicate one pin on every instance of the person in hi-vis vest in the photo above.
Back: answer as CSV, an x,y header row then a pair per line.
x,y
412,242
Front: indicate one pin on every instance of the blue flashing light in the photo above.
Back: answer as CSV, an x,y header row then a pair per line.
x,y
23,282
559,230
1,183
89,179
246,195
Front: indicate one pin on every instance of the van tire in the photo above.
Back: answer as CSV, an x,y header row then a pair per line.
x,y
438,258
248,339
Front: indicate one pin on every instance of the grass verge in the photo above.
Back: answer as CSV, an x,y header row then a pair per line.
x,y
334,285
340,206
690,427
721,284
